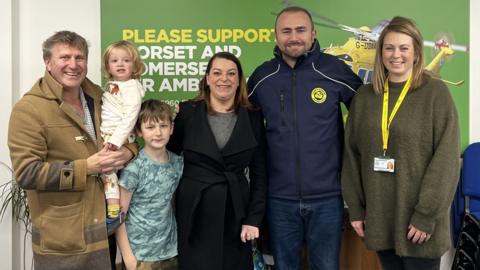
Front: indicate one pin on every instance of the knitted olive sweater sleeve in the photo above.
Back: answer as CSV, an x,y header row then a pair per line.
x,y
442,172
352,186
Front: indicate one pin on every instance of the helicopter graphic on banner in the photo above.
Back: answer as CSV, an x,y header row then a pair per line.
x,y
358,51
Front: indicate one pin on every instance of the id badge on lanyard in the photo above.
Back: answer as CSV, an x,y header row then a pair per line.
x,y
384,163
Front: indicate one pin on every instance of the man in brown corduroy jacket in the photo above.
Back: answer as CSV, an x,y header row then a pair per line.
x,y
56,154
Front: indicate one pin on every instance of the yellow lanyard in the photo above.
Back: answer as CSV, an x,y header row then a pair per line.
x,y
386,121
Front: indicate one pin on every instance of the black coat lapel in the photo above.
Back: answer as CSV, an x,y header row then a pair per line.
x,y
199,138
242,137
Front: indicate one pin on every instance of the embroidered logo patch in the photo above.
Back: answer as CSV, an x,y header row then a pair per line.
x,y
319,95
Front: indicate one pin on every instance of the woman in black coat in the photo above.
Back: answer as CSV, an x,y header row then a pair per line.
x,y
222,137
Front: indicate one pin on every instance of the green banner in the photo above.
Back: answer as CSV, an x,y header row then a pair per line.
x,y
177,37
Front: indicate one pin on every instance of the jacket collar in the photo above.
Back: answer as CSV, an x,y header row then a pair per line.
x,y
306,58
47,87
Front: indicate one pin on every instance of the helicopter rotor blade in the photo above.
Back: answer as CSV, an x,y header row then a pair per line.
x,y
459,48
428,43
326,25
360,32
325,19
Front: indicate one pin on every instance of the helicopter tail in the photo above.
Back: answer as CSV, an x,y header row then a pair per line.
x,y
436,75
454,83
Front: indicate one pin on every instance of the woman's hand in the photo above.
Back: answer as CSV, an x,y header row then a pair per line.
x,y
417,236
249,233
359,227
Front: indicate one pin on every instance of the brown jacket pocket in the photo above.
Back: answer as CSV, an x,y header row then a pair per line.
x,y
62,229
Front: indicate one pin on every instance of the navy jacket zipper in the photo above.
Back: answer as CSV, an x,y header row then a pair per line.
x,y
296,143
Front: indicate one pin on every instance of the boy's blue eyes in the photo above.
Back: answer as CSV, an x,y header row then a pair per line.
x,y
161,126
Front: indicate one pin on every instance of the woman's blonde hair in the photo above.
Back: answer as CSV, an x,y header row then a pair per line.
x,y
404,26
138,67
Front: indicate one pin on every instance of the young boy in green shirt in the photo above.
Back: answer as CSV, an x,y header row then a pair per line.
x,y
148,239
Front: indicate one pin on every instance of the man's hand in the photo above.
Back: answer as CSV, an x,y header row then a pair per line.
x,y
105,161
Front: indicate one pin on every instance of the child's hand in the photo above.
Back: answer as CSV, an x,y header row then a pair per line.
x,y
110,147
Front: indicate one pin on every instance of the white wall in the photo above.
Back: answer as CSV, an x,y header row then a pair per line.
x,y
5,108
40,19
24,25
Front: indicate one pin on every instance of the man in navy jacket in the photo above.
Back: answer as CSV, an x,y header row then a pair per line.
x,y
300,91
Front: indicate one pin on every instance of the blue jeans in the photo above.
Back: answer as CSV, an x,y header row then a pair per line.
x,y
316,222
